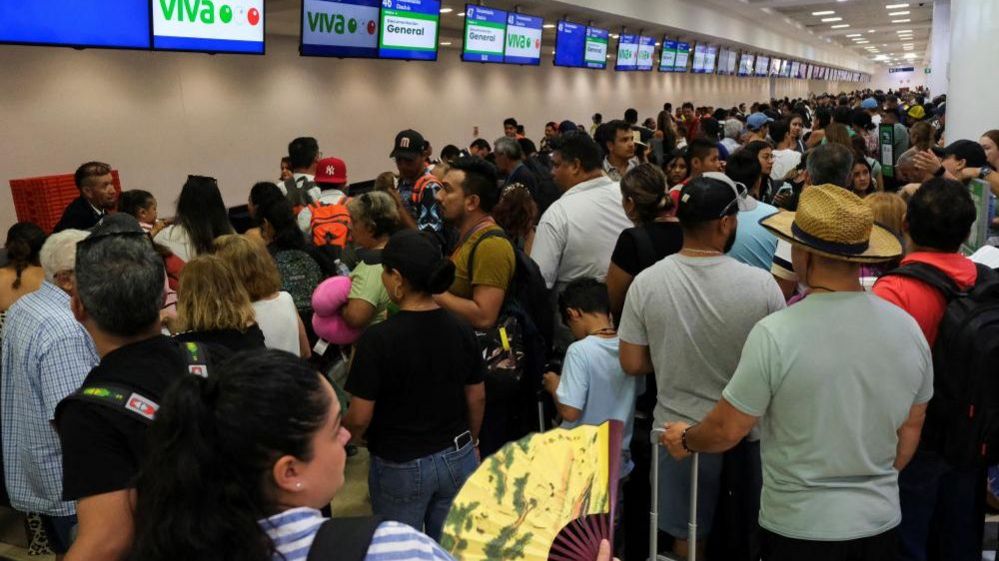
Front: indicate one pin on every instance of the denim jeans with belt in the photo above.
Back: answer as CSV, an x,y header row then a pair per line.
x,y
419,492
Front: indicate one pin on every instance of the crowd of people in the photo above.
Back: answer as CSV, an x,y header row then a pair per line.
x,y
779,288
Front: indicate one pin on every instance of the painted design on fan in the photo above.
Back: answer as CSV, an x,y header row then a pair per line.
x,y
545,497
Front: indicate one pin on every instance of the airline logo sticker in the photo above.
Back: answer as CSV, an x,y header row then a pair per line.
x,y
138,404
340,24
237,20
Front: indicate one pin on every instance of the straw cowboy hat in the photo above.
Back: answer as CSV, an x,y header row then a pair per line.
x,y
835,223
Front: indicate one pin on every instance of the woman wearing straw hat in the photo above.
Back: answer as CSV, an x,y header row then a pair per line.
x,y
839,385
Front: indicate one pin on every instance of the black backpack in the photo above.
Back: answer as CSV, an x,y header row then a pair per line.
x,y
547,191
344,539
962,420
298,192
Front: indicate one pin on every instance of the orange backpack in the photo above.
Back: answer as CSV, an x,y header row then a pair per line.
x,y
330,223
421,185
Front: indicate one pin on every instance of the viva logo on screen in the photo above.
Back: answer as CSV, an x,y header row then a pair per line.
x,y
204,25
523,39
340,28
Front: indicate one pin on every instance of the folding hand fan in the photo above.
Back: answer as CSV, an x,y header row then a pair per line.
x,y
548,496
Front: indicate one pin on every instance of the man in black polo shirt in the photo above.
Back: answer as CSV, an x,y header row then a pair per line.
x,y
97,197
119,293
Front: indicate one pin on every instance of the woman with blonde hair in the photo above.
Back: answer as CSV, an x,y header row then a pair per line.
x,y
889,212
275,310
213,307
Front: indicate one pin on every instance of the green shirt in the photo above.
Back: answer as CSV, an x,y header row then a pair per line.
x,y
494,263
366,284
832,379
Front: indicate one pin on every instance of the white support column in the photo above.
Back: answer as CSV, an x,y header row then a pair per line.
x,y
974,80
939,48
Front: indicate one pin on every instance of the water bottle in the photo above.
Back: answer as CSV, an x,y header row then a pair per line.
x,y
341,269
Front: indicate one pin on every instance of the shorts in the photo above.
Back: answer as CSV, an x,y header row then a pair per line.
x,y
674,494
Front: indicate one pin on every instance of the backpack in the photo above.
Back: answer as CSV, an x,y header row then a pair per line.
x,y
128,400
962,419
416,197
300,275
547,191
297,192
344,539
330,223
515,350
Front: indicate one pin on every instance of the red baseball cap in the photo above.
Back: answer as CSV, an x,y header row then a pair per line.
x,y
331,170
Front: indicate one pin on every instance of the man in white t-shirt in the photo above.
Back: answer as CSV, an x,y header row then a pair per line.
x,y
304,155
686,318
838,384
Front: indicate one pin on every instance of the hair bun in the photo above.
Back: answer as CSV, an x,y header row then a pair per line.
x,y
441,276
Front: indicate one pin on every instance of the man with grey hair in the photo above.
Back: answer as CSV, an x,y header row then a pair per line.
x,y
732,130
510,163
826,164
118,296
46,355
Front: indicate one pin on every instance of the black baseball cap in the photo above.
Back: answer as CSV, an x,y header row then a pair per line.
x,y
711,196
968,150
409,145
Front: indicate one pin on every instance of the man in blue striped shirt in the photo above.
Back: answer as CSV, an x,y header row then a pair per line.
x,y
46,356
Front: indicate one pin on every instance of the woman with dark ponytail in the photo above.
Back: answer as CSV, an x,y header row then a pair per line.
x,y
23,272
238,465
423,369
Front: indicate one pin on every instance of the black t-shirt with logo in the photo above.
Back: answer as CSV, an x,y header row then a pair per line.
x,y
102,449
415,367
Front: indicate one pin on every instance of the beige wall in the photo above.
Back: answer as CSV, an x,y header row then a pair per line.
x,y
159,116
883,80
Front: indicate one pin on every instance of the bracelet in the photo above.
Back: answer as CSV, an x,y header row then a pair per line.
x,y
683,440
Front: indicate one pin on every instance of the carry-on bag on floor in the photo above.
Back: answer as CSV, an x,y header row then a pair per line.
x,y
654,511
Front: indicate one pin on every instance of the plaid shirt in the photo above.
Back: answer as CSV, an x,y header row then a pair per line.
x,y
46,356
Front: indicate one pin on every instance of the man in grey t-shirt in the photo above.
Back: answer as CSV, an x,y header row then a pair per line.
x,y
687,318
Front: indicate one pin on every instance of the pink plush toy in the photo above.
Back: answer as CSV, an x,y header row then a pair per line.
x,y
328,301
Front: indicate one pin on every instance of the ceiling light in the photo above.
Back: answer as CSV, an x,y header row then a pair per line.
x,y
824,13
854,35
893,14
862,42
903,31
827,20
839,26
896,6
870,31
901,20
657,44
549,26
446,10
446,43
460,14
909,55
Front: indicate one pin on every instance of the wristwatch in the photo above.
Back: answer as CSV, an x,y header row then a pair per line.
x,y
683,440
984,172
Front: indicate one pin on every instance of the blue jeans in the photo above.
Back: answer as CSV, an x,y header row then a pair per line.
x,y
942,510
419,492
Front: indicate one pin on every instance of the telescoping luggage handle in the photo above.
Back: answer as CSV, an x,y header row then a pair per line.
x,y
654,512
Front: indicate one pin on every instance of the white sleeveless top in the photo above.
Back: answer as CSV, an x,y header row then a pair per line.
x,y
278,319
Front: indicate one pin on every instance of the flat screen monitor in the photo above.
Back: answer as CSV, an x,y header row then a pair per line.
x,y
732,66
710,57
668,58
340,28
627,53
646,53
595,51
700,50
785,68
409,29
121,24
746,62
762,65
523,39
682,57
795,69
775,64
570,40
203,26
485,34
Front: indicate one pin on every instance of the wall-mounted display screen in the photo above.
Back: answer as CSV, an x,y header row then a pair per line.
x,y
668,57
728,62
785,69
710,57
570,39
775,64
340,28
762,65
700,51
485,34
627,52
234,26
595,52
523,39
682,57
409,29
746,64
795,69
122,24
646,53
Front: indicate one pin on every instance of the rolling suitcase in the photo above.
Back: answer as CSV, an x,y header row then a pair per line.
x,y
654,512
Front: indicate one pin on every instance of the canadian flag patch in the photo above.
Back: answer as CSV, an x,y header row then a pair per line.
x,y
138,404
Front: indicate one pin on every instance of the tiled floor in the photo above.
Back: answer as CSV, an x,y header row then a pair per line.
x,y
352,500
